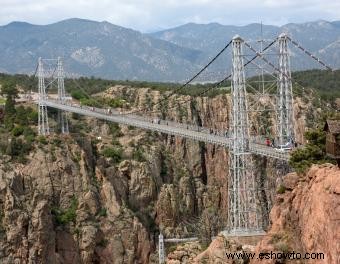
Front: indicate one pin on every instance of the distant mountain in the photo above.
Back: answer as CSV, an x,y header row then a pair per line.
x,y
320,37
94,48
105,50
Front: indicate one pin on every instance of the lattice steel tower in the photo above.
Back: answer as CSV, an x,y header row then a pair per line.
x,y
243,216
285,93
43,128
62,115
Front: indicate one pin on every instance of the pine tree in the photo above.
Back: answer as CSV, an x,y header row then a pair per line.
x,y
10,90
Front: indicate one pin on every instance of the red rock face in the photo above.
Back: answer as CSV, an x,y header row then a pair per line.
x,y
306,218
204,181
196,179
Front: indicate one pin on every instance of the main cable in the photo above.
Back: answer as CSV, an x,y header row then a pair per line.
x,y
186,83
220,82
296,44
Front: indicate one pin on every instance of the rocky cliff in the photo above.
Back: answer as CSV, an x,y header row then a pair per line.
x,y
82,198
306,216
61,207
214,254
304,219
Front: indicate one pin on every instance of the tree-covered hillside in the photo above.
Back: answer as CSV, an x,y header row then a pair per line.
x,y
325,83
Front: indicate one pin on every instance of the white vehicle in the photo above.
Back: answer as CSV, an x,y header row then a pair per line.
x,y
284,147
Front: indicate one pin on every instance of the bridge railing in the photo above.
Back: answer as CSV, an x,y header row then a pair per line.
x,y
169,127
110,112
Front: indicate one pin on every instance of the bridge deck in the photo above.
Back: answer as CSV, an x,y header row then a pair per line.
x,y
167,127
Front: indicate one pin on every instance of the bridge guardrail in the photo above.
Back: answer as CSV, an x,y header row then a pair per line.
x,y
165,126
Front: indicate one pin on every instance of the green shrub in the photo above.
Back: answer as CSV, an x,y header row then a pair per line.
x,y
114,153
18,149
21,116
78,95
32,116
29,134
42,140
77,232
76,157
312,153
63,217
138,154
56,141
115,102
115,130
17,131
281,189
102,212
89,102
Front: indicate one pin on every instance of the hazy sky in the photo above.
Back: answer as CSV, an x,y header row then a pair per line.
x,y
149,15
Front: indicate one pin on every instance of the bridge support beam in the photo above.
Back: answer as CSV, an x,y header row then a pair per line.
x,y
43,128
243,214
285,93
161,250
62,115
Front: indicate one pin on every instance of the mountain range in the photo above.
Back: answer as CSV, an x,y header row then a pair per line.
x,y
101,49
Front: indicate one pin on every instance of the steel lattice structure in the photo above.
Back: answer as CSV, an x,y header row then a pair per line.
x,y
243,215
161,250
62,115
285,94
244,218
44,74
43,128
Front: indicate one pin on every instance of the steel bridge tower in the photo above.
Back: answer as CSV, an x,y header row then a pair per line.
x,y
43,74
62,115
243,215
43,128
285,93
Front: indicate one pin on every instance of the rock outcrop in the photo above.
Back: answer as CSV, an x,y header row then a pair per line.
x,y
306,217
70,204
216,253
62,207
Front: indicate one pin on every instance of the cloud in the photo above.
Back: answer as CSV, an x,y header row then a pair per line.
x,y
146,15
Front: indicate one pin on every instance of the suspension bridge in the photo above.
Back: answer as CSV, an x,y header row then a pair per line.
x,y
244,215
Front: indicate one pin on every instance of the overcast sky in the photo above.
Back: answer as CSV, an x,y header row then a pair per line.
x,y
150,15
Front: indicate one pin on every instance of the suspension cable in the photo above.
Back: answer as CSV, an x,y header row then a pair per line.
x,y
273,66
220,82
36,70
194,77
263,58
186,83
223,80
296,44
259,54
